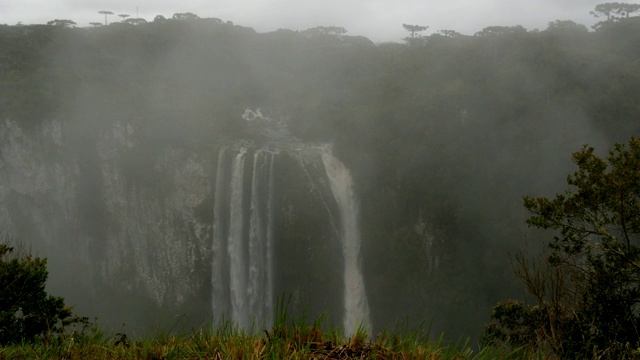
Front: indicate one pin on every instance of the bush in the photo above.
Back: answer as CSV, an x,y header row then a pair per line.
x,y
27,312
587,288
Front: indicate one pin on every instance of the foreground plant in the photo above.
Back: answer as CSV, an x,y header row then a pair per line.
x,y
587,287
27,312
289,338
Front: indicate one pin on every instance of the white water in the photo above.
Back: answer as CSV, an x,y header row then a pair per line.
x,y
242,278
236,246
356,305
217,270
260,290
242,270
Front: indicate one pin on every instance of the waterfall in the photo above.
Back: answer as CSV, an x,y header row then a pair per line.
x,y
236,246
219,290
242,270
356,305
260,290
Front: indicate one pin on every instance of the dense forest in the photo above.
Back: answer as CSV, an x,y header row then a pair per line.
x,y
443,133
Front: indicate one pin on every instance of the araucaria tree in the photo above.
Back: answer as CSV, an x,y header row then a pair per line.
x,y
613,12
105,12
414,30
587,288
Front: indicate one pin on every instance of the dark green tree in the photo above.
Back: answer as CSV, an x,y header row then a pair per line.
x,y
27,312
449,33
105,12
587,291
159,19
625,9
566,26
61,23
327,30
414,29
135,21
502,31
415,37
606,9
613,11
185,16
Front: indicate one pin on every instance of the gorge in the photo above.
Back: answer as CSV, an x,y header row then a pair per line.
x,y
177,173
155,235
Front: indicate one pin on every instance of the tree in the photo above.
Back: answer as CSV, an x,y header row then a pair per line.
x,y
136,21
159,19
502,31
627,9
414,30
327,30
587,290
105,12
566,26
27,312
613,11
185,16
95,24
124,16
606,9
449,33
61,23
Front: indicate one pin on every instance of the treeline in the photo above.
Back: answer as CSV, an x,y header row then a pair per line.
x,y
443,133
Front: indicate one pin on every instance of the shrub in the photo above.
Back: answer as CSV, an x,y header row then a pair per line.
x,y
587,288
27,312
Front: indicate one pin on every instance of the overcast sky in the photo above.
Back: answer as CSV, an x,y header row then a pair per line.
x,y
376,19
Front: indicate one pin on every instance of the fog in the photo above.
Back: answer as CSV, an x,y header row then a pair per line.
x,y
377,20
127,162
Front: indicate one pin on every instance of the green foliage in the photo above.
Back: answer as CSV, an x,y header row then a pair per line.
x,y
415,38
27,312
289,338
588,287
61,23
185,16
613,12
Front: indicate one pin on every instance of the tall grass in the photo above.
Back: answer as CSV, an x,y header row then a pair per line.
x,y
289,338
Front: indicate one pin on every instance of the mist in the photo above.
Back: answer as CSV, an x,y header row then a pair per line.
x,y
134,157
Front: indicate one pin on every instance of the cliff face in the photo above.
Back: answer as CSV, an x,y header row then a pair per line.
x,y
126,221
103,219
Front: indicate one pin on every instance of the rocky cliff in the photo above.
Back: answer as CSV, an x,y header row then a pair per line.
x,y
126,221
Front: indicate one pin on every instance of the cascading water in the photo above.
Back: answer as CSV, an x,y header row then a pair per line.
x,y
242,271
219,273
260,290
236,246
356,305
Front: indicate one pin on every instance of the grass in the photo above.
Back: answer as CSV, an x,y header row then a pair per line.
x,y
288,338
228,342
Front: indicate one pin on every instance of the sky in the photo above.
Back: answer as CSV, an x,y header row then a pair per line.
x,y
377,20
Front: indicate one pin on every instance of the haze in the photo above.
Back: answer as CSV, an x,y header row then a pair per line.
x,y
378,20
127,162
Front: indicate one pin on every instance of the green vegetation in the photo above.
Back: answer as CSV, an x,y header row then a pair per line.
x,y
300,342
289,338
26,332
27,312
442,134
586,291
